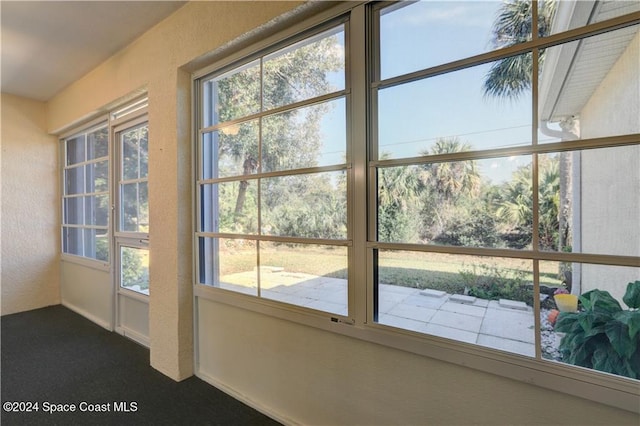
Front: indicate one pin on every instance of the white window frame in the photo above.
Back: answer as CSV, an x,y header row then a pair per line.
x,y
604,388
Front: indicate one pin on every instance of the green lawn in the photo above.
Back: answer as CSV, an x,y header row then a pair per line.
x,y
408,269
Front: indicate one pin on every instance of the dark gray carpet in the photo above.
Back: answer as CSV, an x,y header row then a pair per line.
x,y
55,356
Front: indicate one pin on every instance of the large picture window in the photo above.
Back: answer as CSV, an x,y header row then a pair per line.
x,y
273,175
467,172
500,187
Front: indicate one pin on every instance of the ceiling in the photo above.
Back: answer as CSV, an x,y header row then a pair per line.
x,y
46,45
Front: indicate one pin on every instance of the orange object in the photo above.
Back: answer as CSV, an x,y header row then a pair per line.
x,y
553,316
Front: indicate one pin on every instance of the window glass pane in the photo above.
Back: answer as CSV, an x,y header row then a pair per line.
x,y
308,206
414,117
585,318
474,203
313,276
307,69
98,144
75,149
229,264
97,210
74,182
230,207
134,269
73,210
574,14
135,207
131,216
231,151
232,95
72,241
97,177
589,88
134,153
423,34
97,244
306,137
480,300
143,207
587,205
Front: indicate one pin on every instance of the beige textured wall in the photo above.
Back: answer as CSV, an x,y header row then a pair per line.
x,y
153,63
313,377
30,215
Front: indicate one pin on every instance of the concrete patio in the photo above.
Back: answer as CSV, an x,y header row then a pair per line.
x,y
506,325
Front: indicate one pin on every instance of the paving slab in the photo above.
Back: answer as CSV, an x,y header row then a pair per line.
x,y
433,293
509,324
419,313
451,333
508,345
460,321
404,323
513,304
427,302
476,311
461,298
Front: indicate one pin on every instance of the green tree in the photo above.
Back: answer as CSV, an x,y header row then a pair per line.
x,y
290,139
517,205
449,188
398,189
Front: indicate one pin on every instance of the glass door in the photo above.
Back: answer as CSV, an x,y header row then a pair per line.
x,y
132,230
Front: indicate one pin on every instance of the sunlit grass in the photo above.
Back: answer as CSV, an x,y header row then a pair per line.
x,y
408,269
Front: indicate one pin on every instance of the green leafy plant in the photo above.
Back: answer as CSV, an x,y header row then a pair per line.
x,y
602,335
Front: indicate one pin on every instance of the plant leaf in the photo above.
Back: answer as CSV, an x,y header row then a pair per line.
x,y
607,360
632,295
618,334
600,301
632,320
566,321
592,321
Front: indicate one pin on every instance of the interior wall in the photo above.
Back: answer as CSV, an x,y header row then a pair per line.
x,y
153,64
30,234
308,376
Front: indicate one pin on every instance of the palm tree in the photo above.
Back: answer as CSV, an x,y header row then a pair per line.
x,y
517,205
398,189
448,185
453,178
510,77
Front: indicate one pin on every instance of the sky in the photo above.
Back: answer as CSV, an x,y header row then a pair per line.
x,y
412,116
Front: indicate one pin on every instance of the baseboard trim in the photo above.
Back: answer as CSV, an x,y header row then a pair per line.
x,y
102,323
244,399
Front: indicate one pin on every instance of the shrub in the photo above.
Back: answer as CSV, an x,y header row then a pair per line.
x,y
602,335
493,283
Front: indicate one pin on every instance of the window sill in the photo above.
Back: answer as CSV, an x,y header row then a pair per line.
x,y
85,261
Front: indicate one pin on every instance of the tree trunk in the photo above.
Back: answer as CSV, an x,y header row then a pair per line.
x,y
248,167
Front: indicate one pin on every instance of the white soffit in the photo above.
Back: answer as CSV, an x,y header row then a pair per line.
x,y
572,72
46,45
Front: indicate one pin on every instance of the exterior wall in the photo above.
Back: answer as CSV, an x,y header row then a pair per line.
x,y
30,208
610,200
